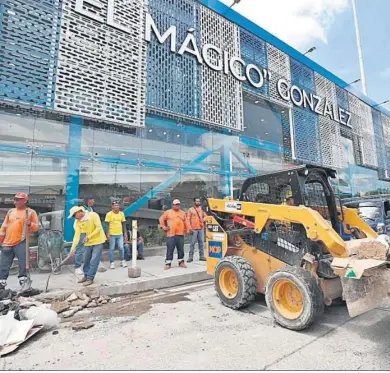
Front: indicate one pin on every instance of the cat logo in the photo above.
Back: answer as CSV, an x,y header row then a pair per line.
x,y
215,249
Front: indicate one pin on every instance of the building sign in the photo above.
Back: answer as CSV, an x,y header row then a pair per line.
x,y
214,57
299,97
218,59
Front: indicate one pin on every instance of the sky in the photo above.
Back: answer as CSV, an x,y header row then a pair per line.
x,y
329,26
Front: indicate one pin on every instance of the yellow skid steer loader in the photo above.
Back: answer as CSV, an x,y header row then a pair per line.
x,y
289,237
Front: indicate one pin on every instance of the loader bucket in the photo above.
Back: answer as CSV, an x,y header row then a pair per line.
x,y
365,283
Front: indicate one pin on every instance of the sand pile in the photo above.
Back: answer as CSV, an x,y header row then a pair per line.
x,y
367,248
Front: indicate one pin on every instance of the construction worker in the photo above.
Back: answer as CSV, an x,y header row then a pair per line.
x,y
196,217
88,223
117,234
174,222
88,205
18,222
89,202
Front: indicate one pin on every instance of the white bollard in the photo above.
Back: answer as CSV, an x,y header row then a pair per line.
x,y
134,271
134,244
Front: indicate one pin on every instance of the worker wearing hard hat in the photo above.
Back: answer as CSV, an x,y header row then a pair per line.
x,y
88,223
289,199
18,223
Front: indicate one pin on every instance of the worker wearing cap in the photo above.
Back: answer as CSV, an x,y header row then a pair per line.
x,y
89,203
196,217
174,222
88,223
18,222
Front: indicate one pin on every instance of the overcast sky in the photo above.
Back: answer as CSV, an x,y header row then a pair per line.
x,y
328,25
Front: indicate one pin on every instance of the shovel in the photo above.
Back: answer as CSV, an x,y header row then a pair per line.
x,y
27,283
55,268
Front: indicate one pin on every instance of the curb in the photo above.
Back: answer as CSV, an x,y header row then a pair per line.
x,y
155,283
127,289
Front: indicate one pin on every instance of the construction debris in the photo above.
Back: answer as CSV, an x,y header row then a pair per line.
x,y
72,297
83,325
367,248
81,301
71,312
60,307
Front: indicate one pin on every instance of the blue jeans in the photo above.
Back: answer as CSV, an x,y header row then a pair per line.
x,y
129,249
8,254
197,235
91,260
78,256
116,239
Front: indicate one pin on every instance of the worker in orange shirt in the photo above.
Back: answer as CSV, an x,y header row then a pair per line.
x,y
196,217
13,237
174,222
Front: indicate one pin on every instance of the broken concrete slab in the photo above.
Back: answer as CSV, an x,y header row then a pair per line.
x,y
72,297
60,307
92,304
71,312
83,325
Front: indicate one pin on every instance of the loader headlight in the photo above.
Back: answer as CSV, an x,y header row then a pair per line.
x,y
380,228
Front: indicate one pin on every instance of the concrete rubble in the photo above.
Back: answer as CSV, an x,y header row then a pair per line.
x,y
41,314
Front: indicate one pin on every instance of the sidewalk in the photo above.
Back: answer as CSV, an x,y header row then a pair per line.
x,y
116,281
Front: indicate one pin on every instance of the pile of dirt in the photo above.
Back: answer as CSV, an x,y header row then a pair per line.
x,y
367,248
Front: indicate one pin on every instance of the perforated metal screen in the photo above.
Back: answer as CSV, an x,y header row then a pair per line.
x,y
222,101
29,46
101,68
174,81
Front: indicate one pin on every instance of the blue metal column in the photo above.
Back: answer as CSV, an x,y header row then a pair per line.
x,y
73,179
226,179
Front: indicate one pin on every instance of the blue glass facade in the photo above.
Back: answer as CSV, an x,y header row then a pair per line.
x,y
186,130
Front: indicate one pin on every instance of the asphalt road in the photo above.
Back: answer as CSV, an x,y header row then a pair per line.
x,y
188,328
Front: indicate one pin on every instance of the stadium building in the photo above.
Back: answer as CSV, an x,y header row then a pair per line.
x,y
147,101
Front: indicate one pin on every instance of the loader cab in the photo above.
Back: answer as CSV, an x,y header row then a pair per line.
x,y
303,185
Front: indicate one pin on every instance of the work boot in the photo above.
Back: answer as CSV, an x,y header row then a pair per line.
x,y
88,282
190,259
140,257
167,266
202,259
182,264
82,280
22,280
3,284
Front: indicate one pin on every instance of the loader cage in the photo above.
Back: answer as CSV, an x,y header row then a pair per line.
x,y
305,185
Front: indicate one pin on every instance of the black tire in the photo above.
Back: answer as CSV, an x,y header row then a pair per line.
x,y
246,279
310,290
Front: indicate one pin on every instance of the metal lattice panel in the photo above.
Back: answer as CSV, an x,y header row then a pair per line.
x,y
342,98
221,93
379,141
357,126
279,67
101,68
302,76
254,51
173,81
307,136
329,130
29,47
368,136
386,128
385,120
